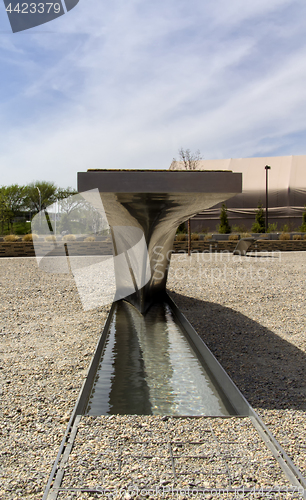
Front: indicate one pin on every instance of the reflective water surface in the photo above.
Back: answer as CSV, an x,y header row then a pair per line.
x,y
149,368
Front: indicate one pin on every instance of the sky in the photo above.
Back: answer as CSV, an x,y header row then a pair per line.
x,y
126,83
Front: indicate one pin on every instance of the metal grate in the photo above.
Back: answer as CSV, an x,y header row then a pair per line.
x,y
227,454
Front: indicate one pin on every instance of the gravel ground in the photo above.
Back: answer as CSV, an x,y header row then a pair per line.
x,y
250,311
47,342
148,453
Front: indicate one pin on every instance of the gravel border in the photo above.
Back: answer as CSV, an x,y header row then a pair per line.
x,y
249,311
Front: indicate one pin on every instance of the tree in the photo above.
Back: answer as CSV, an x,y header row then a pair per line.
x,y
40,194
224,227
15,200
68,201
259,225
65,197
12,201
65,224
191,161
4,215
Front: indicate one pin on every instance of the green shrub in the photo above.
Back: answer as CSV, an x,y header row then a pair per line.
x,y
259,224
181,229
181,237
224,227
304,237
233,237
256,228
30,237
285,228
69,237
11,238
272,228
208,237
90,238
303,226
194,236
21,227
296,237
284,236
241,228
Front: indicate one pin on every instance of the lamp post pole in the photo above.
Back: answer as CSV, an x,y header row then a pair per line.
x,y
189,238
267,167
39,206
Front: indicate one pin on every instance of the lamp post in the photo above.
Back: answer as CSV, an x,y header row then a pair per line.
x,y
56,209
39,206
267,167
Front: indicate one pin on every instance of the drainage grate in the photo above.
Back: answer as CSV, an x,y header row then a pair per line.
x,y
133,456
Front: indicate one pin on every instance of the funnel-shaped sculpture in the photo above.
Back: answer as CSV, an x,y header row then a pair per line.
x,y
156,201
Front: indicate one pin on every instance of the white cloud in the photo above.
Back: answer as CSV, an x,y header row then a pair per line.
x,y
124,85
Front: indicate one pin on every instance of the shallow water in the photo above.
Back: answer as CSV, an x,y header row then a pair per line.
x,y
148,367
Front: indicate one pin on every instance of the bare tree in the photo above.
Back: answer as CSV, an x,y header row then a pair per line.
x,y
191,161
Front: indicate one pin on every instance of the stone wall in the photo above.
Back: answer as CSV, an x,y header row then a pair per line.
x,y
259,245
26,249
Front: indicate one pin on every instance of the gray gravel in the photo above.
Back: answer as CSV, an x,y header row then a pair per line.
x,y
126,453
250,311
47,342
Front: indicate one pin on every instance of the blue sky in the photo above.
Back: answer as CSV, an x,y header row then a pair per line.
x,y
125,84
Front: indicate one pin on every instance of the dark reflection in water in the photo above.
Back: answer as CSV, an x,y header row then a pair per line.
x,y
149,368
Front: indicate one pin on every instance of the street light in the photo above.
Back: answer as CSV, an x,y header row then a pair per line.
x,y
39,206
267,167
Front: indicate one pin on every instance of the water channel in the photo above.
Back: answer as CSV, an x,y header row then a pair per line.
x,y
148,367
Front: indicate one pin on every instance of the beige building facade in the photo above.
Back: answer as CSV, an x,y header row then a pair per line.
x,y
286,191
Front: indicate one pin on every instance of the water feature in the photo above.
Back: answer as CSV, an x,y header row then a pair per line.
x,y
155,202
148,367
147,364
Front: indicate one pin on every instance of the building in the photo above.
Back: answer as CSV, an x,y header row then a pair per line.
x,y
286,190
